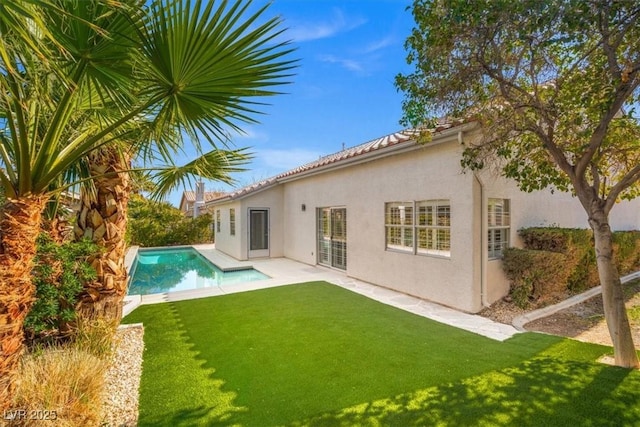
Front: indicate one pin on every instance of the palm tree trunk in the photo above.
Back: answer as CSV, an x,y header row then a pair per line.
x,y
615,311
19,228
103,219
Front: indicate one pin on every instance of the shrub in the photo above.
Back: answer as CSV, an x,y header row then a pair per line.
x,y
535,276
577,269
626,246
161,224
59,272
65,382
576,243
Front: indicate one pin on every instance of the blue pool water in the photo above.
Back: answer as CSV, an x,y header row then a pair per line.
x,y
169,270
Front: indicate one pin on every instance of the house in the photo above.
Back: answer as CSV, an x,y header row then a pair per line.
x,y
398,214
197,198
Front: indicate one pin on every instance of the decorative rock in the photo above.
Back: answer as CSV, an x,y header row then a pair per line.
x,y
122,382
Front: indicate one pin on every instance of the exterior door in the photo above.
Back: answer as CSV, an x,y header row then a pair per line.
x,y
258,233
332,237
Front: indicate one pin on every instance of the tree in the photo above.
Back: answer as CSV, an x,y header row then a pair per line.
x,y
553,86
232,60
61,62
153,223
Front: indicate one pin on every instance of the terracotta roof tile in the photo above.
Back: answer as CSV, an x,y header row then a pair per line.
x,y
190,196
394,139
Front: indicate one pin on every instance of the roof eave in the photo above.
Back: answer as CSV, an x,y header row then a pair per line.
x,y
439,137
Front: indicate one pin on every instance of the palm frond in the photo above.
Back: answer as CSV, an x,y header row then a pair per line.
x,y
208,63
217,165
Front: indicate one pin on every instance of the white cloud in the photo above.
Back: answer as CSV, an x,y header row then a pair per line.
x,y
251,134
379,44
349,64
339,23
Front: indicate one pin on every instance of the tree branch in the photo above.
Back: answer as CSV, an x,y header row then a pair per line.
x,y
627,181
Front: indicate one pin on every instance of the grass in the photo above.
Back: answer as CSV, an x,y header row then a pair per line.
x,y
315,354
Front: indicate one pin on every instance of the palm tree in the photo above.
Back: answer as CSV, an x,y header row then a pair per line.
x,y
102,216
183,66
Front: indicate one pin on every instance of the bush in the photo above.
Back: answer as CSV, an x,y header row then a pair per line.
x,y
161,224
65,382
576,243
577,270
535,276
626,246
59,273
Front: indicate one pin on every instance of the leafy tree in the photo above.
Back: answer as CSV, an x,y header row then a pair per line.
x,y
554,87
160,224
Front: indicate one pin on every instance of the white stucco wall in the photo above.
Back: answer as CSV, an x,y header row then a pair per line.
x,y
428,173
237,246
543,209
272,199
467,279
224,241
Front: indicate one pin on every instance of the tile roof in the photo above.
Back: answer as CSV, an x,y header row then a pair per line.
x,y
379,144
190,196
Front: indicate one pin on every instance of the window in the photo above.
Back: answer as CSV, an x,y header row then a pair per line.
x,y
434,227
422,227
232,221
218,221
499,224
399,225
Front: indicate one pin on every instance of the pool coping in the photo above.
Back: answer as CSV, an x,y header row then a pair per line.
x,y
223,262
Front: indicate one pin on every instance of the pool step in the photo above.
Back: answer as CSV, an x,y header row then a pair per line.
x,y
222,261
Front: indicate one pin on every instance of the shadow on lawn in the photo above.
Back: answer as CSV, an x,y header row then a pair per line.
x,y
198,391
543,391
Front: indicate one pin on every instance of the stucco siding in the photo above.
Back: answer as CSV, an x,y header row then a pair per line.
x,y
225,242
364,183
428,173
271,199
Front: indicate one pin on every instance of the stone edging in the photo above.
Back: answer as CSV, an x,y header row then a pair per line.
x,y
522,320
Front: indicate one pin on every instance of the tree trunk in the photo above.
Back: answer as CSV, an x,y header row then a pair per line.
x,y
615,311
103,219
19,227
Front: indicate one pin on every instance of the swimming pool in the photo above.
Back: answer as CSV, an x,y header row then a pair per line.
x,y
169,270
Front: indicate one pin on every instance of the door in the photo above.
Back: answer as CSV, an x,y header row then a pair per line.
x,y
332,237
258,233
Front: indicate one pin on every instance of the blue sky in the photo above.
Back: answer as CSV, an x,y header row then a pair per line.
x,y
343,92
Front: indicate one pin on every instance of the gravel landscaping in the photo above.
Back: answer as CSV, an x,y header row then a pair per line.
x,y
583,321
121,392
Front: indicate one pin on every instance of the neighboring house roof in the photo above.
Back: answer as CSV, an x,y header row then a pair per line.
x,y
190,196
373,147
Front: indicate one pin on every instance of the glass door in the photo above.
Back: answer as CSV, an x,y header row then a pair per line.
x,y
258,233
332,237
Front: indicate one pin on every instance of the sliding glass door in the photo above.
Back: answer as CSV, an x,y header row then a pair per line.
x,y
332,237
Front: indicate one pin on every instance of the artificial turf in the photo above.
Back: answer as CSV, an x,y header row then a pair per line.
x,y
316,354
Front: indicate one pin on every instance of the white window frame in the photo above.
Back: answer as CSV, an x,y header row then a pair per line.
x,y
399,226
218,221
498,226
232,221
433,221
410,228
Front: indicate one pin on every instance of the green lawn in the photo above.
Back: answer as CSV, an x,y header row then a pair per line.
x,y
316,354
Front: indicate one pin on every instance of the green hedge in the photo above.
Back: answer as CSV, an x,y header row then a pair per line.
x,y
535,275
539,275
